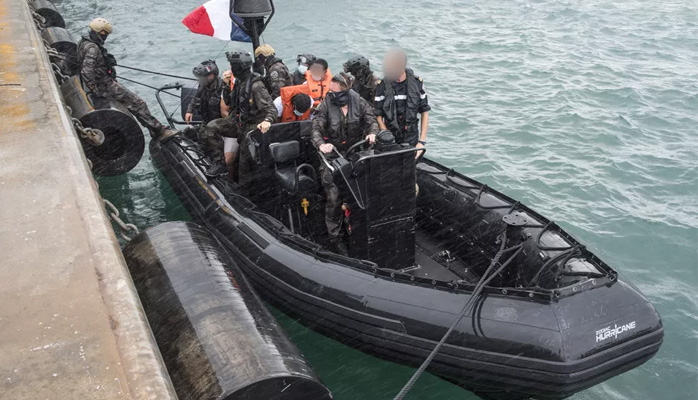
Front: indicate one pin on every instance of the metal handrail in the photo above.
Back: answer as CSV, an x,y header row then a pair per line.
x,y
170,120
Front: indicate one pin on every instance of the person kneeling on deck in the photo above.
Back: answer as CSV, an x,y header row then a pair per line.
x,y
99,76
341,120
401,100
294,104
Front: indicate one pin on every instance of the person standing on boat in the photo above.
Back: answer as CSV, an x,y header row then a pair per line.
x,y
98,75
304,61
250,108
341,120
318,78
277,75
207,100
365,81
401,103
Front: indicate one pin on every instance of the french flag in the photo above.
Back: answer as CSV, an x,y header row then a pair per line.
x,y
213,18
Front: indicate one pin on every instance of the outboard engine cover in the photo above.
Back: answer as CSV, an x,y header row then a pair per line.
x,y
216,337
383,210
123,138
62,41
48,10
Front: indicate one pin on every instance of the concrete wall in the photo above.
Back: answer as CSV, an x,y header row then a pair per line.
x,y
71,324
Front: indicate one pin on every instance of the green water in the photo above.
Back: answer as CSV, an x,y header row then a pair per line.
x,y
585,110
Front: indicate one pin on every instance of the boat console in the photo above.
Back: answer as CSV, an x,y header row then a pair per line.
x,y
378,187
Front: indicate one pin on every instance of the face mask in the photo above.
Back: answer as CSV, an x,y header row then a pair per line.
x,y
339,98
297,113
103,37
239,72
302,68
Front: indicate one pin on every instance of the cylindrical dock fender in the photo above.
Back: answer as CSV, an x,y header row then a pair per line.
x,y
62,41
48,10
123,138
216,337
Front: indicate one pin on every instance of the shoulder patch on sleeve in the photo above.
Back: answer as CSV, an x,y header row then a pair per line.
x,y
274,74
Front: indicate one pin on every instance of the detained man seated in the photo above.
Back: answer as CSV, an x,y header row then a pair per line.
x,y
294,103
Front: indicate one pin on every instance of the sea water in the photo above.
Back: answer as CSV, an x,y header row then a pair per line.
x,y
586,111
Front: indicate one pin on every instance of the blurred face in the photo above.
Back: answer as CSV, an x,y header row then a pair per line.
x,y
317,71
393,66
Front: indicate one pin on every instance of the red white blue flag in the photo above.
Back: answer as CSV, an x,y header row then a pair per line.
x,y
214,18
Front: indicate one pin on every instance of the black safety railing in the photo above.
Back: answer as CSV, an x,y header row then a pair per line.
x,y
170,116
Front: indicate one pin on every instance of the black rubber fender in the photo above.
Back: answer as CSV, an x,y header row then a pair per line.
x,y
61,40
216,337
48,10
123,138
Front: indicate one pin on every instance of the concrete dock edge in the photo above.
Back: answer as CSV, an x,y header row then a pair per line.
x,y
71,323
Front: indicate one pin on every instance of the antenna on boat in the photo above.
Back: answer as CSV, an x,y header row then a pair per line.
x,y
249,16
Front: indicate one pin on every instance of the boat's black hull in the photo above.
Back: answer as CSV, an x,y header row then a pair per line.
x,y
511,347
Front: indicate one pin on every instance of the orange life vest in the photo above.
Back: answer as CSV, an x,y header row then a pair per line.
x,y
287,93
318,90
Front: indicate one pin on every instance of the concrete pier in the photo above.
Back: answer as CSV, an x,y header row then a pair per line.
x,y
71,324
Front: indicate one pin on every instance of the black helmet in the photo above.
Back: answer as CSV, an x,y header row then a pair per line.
x,y
206,68
357,64
239,61
306,58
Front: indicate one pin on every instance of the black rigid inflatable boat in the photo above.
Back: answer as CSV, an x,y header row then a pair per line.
x,y
553,320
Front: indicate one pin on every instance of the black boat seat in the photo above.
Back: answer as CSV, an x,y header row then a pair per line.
x,y
291,177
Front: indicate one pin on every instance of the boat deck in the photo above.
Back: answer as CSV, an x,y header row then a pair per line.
x,y
435,262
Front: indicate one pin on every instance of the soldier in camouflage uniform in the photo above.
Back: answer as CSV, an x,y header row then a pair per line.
x,y
277,74
249,107
98,75
207,101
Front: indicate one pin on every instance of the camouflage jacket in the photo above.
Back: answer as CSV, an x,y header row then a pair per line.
x,y
96,64
277,77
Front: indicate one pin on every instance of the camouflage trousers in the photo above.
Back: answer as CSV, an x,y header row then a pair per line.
x,y
118,92
211,138
333,205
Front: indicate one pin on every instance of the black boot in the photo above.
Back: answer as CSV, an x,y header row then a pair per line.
x,y
216,170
